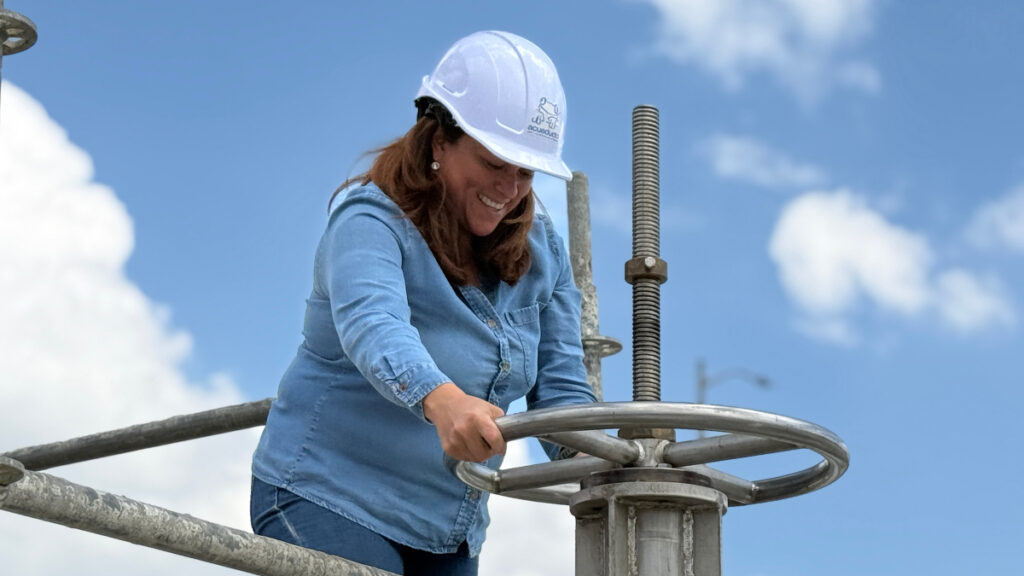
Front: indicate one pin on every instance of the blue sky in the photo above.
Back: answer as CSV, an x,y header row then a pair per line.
x,y
842,211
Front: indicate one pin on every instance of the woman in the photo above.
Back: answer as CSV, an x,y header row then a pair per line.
x,y
439,297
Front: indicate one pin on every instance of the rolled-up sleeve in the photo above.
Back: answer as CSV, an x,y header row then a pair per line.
x,y
362,275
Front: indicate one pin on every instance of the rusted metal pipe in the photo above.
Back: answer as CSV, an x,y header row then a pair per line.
x,y
159,433
595,346
54,499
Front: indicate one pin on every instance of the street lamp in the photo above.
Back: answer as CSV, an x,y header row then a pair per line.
x,y
704,381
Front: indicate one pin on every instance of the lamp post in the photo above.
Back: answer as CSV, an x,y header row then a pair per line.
x,y
704,381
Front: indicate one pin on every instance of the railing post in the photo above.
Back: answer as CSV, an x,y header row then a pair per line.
x,y
595,346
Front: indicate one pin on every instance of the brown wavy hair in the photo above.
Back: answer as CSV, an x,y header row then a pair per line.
x,y
402,171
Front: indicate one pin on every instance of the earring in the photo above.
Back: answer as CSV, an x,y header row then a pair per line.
x,y
435,166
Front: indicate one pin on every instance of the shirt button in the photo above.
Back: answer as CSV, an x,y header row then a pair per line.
x,y
505,366
474,494
491,323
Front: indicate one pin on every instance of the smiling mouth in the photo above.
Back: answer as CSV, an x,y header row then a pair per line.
x,y
491,203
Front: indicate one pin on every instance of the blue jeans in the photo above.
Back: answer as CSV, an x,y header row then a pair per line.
x,y
280,514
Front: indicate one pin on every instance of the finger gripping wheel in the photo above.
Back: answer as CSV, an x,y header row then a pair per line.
x,y
747,433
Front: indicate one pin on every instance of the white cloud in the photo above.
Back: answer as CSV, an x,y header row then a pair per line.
x,y
801,43
84,350
832,248
748,160
834,253
969,303
1000,222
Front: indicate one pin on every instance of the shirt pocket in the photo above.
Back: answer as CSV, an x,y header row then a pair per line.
x,y
525,322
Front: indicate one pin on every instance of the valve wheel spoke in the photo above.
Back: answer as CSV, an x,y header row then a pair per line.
x,y
724,447
597,443
747,433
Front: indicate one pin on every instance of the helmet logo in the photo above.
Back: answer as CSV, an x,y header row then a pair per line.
x,y
546,122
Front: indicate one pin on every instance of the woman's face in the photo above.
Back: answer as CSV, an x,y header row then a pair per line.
x,y
482,188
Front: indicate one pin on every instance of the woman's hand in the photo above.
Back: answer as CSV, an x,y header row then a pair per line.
x,y
465,424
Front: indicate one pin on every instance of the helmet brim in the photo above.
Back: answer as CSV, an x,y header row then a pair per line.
x,y
498,144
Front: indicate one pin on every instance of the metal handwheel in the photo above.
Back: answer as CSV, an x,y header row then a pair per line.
x,y
748,433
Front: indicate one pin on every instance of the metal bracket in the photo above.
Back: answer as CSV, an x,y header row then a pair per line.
x,y
17,32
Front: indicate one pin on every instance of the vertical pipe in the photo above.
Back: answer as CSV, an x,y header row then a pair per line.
x,y
646,253
647,522
578,200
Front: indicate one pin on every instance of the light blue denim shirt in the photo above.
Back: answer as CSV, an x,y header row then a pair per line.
x,y
383,328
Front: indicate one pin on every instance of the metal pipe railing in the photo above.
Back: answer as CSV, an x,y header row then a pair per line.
x,y
54,499
138,437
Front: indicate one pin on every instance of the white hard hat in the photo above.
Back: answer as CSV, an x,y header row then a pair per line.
x,y
504,92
